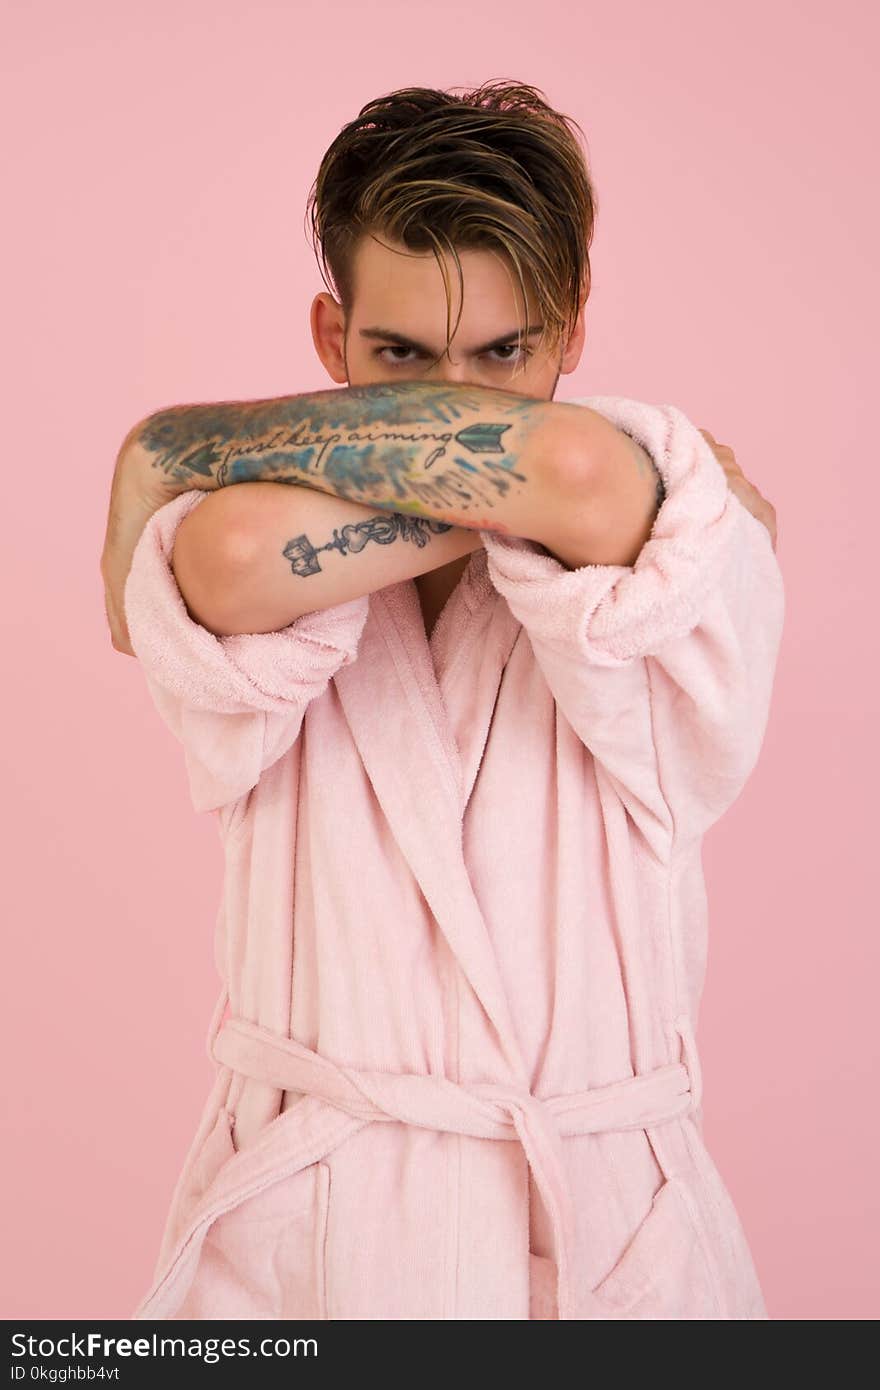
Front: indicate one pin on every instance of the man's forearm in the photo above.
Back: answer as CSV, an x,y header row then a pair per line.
x,y
470,456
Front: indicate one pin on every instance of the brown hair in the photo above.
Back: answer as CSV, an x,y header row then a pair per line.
x,y
495,168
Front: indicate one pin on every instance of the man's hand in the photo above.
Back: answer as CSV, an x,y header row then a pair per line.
x,y
134,495
739,484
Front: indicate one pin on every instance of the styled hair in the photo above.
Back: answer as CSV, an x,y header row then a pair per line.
x,y
495,168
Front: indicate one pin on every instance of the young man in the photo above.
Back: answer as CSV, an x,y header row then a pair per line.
x,y
465,675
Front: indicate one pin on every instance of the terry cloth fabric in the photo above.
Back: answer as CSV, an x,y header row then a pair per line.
x,y
463,925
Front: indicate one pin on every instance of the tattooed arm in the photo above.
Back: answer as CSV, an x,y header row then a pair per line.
x,y
255,559
467,456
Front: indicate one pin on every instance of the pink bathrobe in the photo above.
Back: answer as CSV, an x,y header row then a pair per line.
x,y
463,930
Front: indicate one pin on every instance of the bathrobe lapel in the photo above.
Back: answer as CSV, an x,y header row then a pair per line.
x,y
422,781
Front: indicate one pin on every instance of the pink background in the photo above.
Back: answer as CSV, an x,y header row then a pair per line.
x,y
155,252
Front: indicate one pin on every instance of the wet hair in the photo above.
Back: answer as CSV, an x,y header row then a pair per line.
x,y
495,168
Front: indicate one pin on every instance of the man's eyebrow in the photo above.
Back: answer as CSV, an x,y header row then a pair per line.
x,y
404,341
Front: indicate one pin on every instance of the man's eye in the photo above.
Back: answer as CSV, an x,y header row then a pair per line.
x,y
514,348
394,348
399,347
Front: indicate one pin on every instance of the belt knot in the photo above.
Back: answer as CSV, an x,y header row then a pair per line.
x,y
482,1109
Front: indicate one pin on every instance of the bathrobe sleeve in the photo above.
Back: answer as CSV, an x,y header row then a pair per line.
x,y
664,668
236,703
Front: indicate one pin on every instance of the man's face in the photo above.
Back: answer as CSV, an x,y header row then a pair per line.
x,y
397,326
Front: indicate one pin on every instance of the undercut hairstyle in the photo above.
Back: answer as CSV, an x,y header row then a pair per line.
x,y
495,168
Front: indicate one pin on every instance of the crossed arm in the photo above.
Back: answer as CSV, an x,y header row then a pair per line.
x,y
378,483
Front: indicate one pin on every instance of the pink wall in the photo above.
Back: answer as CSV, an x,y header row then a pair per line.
x,y
155,252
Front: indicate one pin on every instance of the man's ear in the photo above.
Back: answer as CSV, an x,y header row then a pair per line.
x,y
574,348
327,322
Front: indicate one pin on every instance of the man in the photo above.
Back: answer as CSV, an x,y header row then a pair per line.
x,y
466,675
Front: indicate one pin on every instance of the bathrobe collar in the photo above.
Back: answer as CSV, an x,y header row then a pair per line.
x,y
415,763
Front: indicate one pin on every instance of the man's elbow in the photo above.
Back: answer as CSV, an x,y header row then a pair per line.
x,y
609,497
208,562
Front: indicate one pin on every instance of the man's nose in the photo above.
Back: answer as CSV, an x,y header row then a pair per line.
x,y
458,372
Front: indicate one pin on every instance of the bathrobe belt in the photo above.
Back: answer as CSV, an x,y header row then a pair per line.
x,y
482,1109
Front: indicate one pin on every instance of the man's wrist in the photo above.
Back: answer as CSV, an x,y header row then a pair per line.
x,y
153,454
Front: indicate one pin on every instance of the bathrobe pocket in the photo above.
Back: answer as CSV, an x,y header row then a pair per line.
x,y
265,1257
665,1271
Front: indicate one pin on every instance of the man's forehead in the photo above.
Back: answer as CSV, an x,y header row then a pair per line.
x,y
486,273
